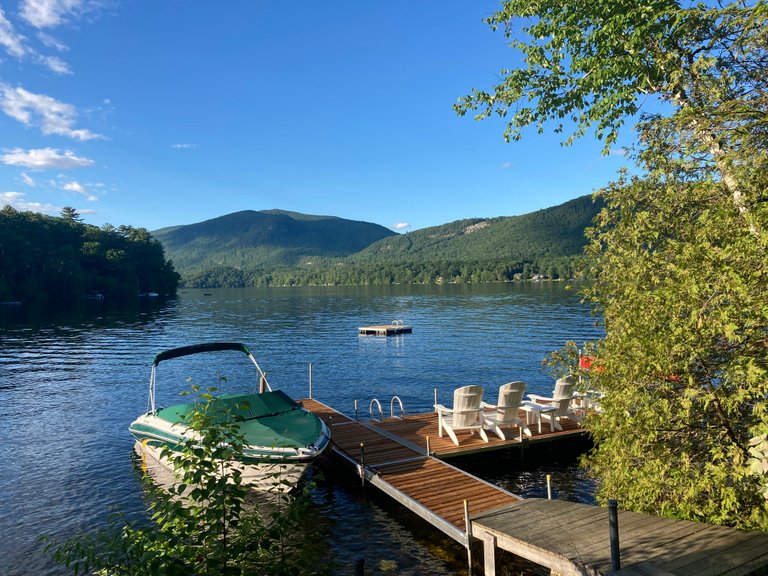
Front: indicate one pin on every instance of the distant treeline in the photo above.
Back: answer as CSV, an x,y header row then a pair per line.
x,y
383,273
46,259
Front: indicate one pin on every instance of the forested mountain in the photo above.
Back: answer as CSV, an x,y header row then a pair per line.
x,y
283,248
269,238
45,259
554,232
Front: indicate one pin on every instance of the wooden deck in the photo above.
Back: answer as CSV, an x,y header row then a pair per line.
x,y
385,330
416,428
573,540
433,489
569,538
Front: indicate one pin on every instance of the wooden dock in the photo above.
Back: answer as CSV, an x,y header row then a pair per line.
x,y
573,540
385,330
432,489
402,457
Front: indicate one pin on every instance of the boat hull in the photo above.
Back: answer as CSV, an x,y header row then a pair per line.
x,y
262,476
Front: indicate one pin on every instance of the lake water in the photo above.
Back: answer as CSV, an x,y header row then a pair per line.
x,y
70,387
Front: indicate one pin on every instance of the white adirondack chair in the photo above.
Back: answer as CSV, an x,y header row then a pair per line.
x,y
557,406
505,411
466,414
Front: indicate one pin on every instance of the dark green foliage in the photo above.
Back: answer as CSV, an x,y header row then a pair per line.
x,y
547,242
45,259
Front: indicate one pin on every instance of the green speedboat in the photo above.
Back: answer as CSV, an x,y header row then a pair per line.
x,y
281,437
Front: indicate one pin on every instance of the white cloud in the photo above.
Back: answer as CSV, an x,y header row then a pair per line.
x,y
82,190
73,186
50,13
401,225
55,64
44,159
52,116
182,146
27,179
505,165
617,152
10,39
18,201
51,42
15,44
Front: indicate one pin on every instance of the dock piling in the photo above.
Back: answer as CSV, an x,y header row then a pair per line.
x,y
549,487
362,463
613,528
468,530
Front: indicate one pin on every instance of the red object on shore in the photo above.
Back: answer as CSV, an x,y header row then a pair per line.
x,y
590,363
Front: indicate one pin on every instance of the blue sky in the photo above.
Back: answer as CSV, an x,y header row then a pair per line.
x,y
166,112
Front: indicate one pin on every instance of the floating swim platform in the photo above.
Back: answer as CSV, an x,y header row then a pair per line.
x,y
393,329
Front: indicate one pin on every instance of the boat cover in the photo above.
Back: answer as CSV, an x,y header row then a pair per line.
x,y
266,419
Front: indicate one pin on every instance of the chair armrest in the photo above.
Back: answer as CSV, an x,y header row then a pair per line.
x,y
535,397
488,406
539,407
441,408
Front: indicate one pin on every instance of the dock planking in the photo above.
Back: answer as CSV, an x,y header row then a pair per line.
x,y
568,538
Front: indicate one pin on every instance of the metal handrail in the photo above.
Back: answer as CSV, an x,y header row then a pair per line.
x,y
392,408
370,410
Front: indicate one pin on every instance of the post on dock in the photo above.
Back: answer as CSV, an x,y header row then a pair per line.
x,y
357,416
489,554
468,529
549,487
613,528
310,380
362,463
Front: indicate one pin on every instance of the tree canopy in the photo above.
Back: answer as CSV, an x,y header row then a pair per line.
x,y
45,259
680,249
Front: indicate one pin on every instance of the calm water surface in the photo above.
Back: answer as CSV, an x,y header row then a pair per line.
x,y
70,387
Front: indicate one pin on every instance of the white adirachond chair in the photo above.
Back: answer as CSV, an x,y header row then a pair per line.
x,y
554,407
466,414
505,411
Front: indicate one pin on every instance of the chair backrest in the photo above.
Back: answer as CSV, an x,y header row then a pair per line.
x,y
563,406
564,387
466,405
510,397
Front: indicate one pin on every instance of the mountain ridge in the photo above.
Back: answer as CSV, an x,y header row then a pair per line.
x,y
265,237
252,247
